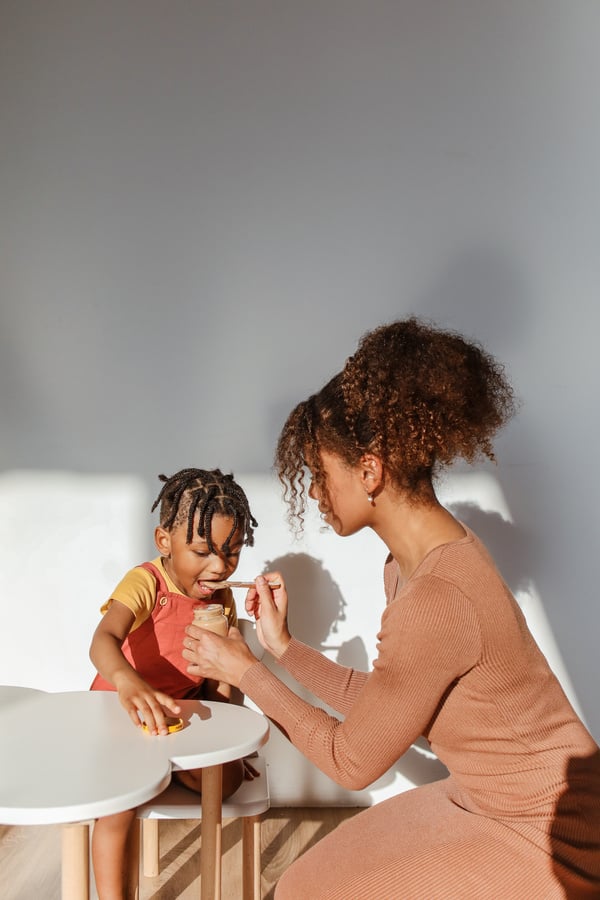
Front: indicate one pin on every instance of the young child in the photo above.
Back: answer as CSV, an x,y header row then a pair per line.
x,y
137,647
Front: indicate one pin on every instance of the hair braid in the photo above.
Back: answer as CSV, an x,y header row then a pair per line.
x,y
208,493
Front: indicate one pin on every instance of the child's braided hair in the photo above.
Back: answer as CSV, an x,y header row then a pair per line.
x,y
208,493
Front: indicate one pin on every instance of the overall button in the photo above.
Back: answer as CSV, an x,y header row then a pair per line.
x,y
163,601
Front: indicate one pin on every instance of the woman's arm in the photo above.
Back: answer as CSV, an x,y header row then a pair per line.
x,y
424,645
428,639
338,686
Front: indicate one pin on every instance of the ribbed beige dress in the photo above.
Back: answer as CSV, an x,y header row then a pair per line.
x,y
519,816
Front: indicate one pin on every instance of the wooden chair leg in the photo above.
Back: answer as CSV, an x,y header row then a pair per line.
x,y
76,861
251,848
150,848
210,833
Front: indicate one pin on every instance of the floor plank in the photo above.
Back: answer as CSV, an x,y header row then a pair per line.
x,y
30,856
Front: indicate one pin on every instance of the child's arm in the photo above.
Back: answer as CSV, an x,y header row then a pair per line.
x,y
134,693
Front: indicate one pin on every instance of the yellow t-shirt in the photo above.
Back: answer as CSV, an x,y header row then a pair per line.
x,y
137,591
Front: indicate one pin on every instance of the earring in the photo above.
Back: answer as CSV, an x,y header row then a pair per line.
x,y
371,499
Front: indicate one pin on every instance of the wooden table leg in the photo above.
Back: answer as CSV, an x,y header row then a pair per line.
x,y
210,847
75,861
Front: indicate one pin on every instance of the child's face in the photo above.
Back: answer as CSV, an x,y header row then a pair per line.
x,y
192,566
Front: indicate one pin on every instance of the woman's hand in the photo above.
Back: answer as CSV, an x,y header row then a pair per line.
x,y
215,657
268,606
144,704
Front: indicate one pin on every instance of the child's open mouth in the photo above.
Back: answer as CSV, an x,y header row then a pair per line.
x,y
206,587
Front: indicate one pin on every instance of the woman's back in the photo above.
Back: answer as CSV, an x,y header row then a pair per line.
x,y
505,729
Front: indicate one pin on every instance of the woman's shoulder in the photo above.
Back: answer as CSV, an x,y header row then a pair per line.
x,y
449,553
435,560
464,566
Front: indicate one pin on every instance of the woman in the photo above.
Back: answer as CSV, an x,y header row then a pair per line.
x,y
519,815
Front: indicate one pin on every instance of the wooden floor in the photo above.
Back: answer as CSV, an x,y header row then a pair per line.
x,y
30,856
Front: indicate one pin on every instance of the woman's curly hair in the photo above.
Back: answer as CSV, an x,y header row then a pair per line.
x,y
416,396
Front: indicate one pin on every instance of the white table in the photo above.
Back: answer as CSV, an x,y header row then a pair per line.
x,y
70,757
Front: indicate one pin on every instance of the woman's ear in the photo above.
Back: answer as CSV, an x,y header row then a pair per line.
x,y
371,472
162,539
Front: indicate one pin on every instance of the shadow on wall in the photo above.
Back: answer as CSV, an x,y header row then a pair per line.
x,y
510,547
322,608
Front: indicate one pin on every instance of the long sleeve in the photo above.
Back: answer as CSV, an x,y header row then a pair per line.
x,y
429,637
338,686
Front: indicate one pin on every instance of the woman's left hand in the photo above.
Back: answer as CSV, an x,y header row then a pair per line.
x,y
220,658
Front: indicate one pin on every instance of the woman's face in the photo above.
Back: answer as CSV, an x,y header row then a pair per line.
x,y
343,501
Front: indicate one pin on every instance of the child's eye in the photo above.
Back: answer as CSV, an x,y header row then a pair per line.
x,y
201,553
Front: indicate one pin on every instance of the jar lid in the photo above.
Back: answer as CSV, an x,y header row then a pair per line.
x,y
212,609
173,723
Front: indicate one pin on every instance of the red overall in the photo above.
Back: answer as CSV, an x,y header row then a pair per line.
x,y
155,648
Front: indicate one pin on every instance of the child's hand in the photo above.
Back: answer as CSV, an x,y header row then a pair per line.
x,y
145,705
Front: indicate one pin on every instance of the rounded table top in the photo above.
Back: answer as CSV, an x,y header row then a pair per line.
x,y
67,757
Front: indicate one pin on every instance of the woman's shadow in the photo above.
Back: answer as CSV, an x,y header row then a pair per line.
x,y
321,607
510,547
315,612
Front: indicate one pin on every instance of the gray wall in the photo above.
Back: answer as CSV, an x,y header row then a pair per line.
x,y
204,204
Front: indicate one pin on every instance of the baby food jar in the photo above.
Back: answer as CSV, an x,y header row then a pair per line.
x,y
212,618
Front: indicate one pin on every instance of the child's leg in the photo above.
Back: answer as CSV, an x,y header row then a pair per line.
x,y
233,775
110,853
